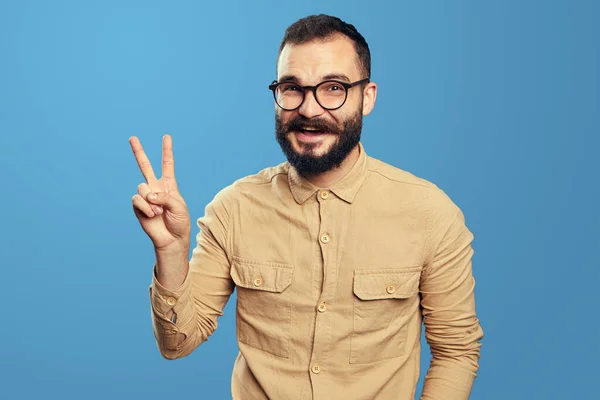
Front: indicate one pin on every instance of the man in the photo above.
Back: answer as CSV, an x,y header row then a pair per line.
x,y
337,257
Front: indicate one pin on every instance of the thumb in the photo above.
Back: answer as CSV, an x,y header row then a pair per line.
x,y
164,199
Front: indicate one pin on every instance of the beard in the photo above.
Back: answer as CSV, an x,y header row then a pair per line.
x,y
307,163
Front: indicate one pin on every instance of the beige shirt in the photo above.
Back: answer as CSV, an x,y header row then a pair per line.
x,y
332,287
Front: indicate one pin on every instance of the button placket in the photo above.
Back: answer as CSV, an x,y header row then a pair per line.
x,y
322,307
325,240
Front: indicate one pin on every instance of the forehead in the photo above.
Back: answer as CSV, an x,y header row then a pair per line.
x,y
310,62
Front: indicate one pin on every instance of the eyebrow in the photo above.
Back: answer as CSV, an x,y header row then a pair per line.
x,y
339,77
293,78
288,78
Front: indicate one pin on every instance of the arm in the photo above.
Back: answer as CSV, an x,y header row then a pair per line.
x,y
448,305
184,317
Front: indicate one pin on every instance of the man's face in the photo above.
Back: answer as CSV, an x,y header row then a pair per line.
x,y
314,139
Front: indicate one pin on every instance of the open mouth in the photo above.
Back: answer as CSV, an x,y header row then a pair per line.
x,y
310,131
311,135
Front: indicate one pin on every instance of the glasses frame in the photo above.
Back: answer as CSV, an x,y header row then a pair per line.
x,y
274,85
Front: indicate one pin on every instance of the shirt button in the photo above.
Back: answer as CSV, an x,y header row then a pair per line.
x,y
325,238
322,307
324,194
171,301
258,282
315,369
390,289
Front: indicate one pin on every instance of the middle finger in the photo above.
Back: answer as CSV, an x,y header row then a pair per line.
x,y
142,159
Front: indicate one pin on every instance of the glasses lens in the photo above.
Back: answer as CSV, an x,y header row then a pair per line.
x,y
289,96
331,94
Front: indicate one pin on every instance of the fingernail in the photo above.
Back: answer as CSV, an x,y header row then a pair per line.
x,y
152,196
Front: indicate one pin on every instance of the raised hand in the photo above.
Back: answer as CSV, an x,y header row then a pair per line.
x,y
158,205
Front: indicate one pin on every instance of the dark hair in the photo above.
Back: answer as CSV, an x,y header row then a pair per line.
x,y
324,27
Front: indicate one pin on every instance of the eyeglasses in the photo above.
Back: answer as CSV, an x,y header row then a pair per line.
x,y
330,95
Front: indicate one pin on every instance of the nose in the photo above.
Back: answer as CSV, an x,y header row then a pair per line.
x,y
310,107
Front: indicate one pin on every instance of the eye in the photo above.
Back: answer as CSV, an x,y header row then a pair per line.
x,y
289,88
331,87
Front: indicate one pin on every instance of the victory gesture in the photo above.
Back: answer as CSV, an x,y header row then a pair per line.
x,y
159,207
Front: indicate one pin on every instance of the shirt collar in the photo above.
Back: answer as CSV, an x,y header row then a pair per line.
x,y
346,188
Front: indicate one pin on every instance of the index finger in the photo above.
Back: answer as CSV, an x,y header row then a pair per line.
x,y
142,159
168,168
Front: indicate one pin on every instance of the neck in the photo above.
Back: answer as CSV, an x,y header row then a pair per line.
x,y
329,178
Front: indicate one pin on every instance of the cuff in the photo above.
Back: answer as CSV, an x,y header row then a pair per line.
x,y
448,383
163,300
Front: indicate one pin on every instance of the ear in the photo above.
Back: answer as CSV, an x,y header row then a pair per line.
x,y
369,97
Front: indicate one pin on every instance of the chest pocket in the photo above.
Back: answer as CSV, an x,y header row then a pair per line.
x,y
263,315
384,305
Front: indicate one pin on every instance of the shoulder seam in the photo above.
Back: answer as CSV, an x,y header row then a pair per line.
x,y
243,180
430,186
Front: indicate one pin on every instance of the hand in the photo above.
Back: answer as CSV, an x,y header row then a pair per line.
x,y
159,207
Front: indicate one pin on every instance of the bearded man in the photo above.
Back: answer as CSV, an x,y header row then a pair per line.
x,y
338,258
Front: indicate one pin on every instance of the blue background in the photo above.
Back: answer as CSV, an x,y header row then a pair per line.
x,y
496,102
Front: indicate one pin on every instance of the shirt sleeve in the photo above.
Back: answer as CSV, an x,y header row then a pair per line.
x,y
447,287
199,301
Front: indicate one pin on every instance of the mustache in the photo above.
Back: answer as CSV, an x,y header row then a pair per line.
x,y
318,124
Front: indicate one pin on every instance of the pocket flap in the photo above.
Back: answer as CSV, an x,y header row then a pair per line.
x,y
376,284
261,275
